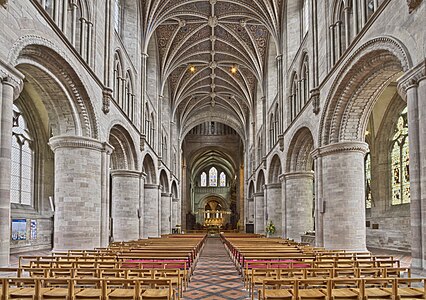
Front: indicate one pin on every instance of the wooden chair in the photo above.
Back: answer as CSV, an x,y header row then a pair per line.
x,y
311,289
345,288
277,289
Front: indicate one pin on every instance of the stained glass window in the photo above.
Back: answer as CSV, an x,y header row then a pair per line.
x,y
203,179
213,177
222,179
368,195
21,161
400,162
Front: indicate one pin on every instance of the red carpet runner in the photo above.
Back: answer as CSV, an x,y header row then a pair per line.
x,y
215,276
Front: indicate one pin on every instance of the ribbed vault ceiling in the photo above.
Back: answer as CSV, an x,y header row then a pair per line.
x,y
212,36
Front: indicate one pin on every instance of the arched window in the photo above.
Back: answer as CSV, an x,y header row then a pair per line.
x,y
400,162
213,177
152,134
118,16
294,110
367,168
259,148
222,179
129,97
272,131
342,28
117,80
203,179
305,17
305,81
22,161
164,149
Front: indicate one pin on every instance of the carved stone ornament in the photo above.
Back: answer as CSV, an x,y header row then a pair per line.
x,y
315,96
3,2
106,100
413,4
142,142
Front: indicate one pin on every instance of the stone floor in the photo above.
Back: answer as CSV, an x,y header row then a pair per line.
x,y
215,276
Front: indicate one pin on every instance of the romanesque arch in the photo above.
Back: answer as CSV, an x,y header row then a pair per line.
x,y
59,87
124,156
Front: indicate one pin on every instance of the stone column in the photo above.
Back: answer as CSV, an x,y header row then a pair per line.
x,y
274,208
283,207
250,210
343,195
141,211
125,204
412,87
150,214
259,212
7,96
105,217
174,220
299,203
166,213
78,192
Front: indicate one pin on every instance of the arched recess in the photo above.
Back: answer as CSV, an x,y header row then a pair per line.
x,y
250,205
166,204
260,205
299,157
274,194
66,100
359,83
299,186
124,186
124,156
176,208
148,167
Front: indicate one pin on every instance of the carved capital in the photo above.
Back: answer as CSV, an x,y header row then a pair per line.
x,y
411,78
413,4
57,142
281,141
3,2
125,173
10,76
107,148
353,146
106,100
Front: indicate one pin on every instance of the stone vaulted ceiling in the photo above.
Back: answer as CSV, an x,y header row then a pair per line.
x,y
213,36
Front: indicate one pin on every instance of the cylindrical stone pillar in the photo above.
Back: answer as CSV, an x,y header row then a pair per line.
x,y
141,212
259,212
151,216
125,204
6,114
274,208
78,185
175,209
105,233
343,191
299,203
166,213
421,201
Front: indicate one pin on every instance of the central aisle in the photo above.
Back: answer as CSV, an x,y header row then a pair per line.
x,y
215,276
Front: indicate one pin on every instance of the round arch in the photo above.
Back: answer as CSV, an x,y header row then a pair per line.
x,y
148,167
299,153
124,156
359,83
66,100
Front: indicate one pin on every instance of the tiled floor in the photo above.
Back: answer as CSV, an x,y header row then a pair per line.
x,y
215,276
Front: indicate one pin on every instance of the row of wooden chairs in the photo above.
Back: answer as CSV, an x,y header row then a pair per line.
x,y
343,288
95,288
256,276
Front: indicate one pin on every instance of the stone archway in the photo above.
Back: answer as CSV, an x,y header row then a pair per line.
x,y
151,199
274,195
298,185
166,204
124,184
339,161
260,207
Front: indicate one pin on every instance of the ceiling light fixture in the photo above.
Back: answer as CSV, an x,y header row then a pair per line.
x,y
234,70
192,69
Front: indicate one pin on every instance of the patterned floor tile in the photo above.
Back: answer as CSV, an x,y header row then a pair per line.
x,y
215,276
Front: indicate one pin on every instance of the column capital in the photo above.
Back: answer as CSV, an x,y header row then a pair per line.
x,y
271,186
298,174
125,173
12,77
352,146
108,148
57,142
411,79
